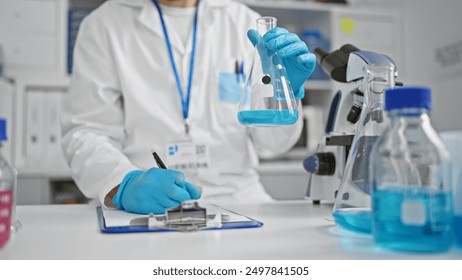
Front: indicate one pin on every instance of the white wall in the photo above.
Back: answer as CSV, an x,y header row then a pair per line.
x,y
431,27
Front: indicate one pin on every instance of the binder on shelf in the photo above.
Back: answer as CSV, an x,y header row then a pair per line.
x,y
52,127
187,217
34,123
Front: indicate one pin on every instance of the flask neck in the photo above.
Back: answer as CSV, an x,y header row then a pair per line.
x,y
264,24
379,77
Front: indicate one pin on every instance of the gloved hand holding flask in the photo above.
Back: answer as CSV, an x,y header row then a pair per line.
x,y
294,53
153,191
280,67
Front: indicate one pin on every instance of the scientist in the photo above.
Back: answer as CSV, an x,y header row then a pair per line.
x,y
165,75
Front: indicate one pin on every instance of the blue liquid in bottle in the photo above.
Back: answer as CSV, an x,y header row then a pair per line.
x,y
356,219
458,228
268,117
413,219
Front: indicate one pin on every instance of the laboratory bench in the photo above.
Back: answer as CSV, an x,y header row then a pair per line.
x,y
291,230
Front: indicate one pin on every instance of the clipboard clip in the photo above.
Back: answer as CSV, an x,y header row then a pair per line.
x,y
188,216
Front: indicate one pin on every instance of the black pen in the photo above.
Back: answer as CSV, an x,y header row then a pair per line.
x,y
236,70
159,162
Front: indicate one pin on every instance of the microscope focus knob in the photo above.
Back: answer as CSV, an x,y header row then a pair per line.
x,y
320,164
354,114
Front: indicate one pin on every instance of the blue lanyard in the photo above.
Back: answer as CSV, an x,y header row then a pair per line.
x,y
184,99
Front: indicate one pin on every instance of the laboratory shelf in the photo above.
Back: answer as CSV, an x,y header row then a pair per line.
x,y
54,173
293,5
317,7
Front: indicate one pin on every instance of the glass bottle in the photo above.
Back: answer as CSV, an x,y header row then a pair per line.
x,y
268,98
453,141
7,194
411,204
352,207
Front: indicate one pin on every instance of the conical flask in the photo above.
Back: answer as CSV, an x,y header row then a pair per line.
x,y
268,98
352,208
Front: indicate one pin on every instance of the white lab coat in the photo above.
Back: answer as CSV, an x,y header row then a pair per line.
x,y
123,100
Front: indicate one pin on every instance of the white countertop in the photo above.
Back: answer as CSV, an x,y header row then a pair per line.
x,y
291,230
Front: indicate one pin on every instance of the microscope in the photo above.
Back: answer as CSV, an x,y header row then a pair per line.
x,y
326,166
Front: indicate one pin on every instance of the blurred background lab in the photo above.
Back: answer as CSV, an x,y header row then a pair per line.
x,y
37,39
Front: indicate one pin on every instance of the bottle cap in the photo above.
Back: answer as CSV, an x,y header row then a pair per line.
x,y
2,130
408,97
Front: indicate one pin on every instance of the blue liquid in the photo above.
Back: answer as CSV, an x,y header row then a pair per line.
x,y
434,234
458,228
268,117
354,220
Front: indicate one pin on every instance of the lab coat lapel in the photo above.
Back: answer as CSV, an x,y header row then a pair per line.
x,y
205,20
150,18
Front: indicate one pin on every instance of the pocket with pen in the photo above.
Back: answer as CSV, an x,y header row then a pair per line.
x,y
230,87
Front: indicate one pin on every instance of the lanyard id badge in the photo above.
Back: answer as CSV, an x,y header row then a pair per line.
x,y
188,157
185,97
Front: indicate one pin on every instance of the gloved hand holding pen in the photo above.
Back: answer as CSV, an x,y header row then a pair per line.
x,y
294,53
153,191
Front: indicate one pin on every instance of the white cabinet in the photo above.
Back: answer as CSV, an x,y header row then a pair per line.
x,y
37,37
369,30
37,150
38,134
32,35
29,16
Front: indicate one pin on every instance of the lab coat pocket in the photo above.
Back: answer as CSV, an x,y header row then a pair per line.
x,y
230,87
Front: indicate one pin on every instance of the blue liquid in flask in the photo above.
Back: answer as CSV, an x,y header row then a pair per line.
x,y
357,220
432,232
458,228
268,117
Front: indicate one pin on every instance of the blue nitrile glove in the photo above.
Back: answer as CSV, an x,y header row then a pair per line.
x,y
153,191
294,53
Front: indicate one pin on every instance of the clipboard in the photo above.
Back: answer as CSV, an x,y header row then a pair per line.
x,y
210,217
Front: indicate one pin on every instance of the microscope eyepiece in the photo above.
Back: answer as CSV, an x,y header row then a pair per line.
x,y
320,54
335,62
349,48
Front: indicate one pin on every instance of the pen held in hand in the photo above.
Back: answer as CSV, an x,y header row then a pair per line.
x,y
159,162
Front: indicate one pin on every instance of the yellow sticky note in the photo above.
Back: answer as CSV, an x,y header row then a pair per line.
x,y
347,25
